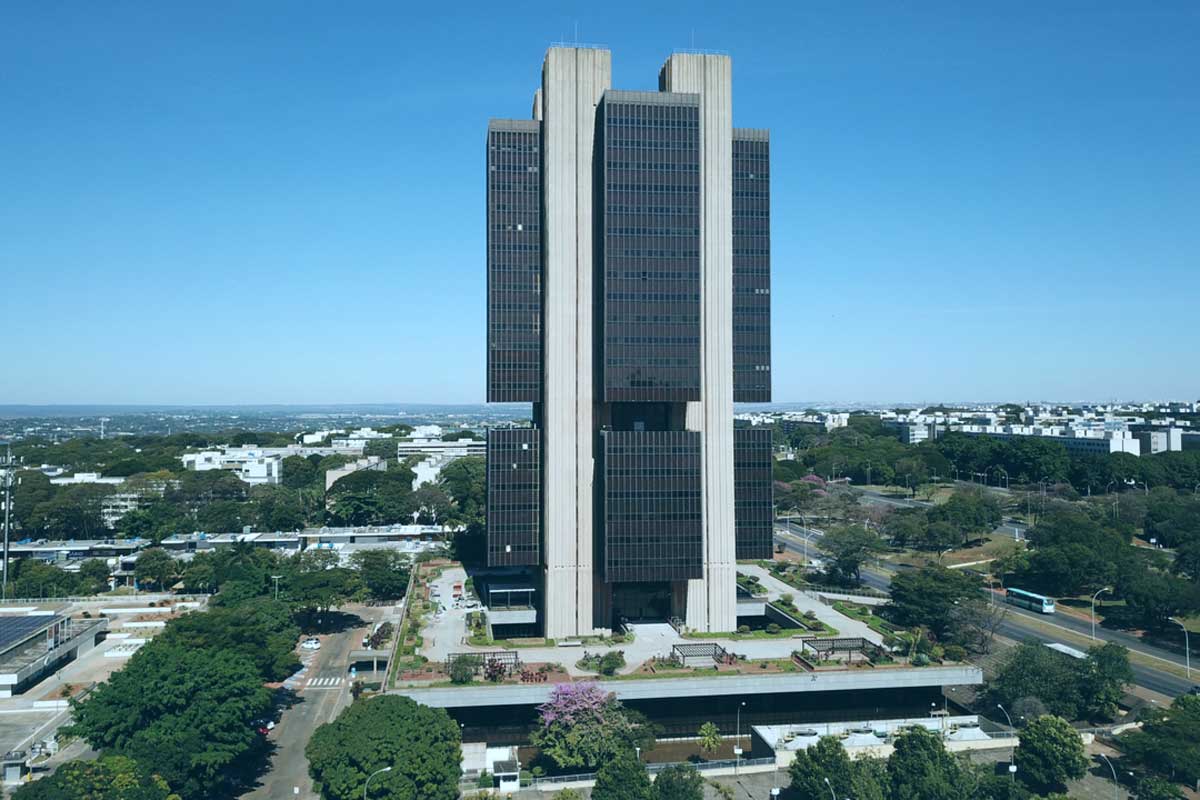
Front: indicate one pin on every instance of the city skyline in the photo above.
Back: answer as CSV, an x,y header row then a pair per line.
x,y
967,207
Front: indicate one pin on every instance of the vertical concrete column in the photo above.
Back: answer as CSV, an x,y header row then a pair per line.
x,y
710,76
573,80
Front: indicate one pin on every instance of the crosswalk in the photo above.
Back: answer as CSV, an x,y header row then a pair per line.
x,y
325,682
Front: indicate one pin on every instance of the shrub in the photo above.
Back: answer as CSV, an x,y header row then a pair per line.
x,y
485,780
955,652
611,662
743,629
773,628
462,669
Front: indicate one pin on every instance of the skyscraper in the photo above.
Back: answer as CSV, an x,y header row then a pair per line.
x,y
629,303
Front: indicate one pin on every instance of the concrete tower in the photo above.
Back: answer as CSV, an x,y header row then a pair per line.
x,y
628,302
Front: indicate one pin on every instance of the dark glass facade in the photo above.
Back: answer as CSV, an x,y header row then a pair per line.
x,y
651,511
650,342
514,254
751,266
514,497
753,493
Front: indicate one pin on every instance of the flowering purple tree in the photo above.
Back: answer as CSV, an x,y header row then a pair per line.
x,y
582,725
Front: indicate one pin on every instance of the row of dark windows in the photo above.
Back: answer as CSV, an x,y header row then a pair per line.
x,y
655,166
683,187
644,231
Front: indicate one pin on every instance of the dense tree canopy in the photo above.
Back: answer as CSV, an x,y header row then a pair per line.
x,y
184,714
260,630
622,777
1169,741
1067,687
420,744
928,597
1050,754
106,778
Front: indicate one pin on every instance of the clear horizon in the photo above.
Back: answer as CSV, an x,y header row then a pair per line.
x,y
230,205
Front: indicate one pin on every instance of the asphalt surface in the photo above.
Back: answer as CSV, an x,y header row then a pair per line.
x,y
1022,625
322,690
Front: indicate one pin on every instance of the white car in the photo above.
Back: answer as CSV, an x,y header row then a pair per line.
x,y
311,644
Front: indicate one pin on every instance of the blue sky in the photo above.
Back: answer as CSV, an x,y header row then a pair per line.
x,y
229,202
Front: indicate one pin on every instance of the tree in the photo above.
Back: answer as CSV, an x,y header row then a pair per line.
x,y
260,629
93,576
465,480
106,778
1034,670
155,566
1169,741
849,546
156,522
1153,787
1105,674
869,779
1050,753
419,743
384,573
710,737
825,760
299,473
927,597
622,777
183,714
679,782
921,769
581,726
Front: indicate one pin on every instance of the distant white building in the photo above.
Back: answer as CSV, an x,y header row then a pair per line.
x,y
437,447
1076,442
252,466
86,477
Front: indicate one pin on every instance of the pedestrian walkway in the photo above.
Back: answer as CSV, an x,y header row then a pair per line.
x,y
325,682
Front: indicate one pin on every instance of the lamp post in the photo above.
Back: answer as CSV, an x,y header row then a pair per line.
x,y
829,786
276,579
1012,759
1187,648
807,534
372,775
1097,594
1116,783
737,739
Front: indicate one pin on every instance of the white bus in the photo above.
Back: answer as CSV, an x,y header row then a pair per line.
x,y
1034,602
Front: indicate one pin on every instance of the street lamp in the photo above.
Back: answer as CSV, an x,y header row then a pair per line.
x,y
1012,759
1116,783
1097,594
737,743
830,787
1187,648
276,579
372,775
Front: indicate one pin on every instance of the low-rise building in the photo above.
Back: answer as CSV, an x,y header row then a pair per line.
x,y
86,477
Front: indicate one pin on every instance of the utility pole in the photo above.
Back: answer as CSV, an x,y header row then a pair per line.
x,y
8,482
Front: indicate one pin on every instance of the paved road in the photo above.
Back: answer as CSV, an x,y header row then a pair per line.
x,y
1022,625
322,692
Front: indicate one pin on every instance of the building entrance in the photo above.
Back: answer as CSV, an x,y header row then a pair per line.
x,y
642,602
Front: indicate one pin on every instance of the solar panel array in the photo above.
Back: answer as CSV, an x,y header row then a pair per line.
x,y
14,629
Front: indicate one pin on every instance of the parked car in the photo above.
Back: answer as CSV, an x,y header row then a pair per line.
x,y
312,643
